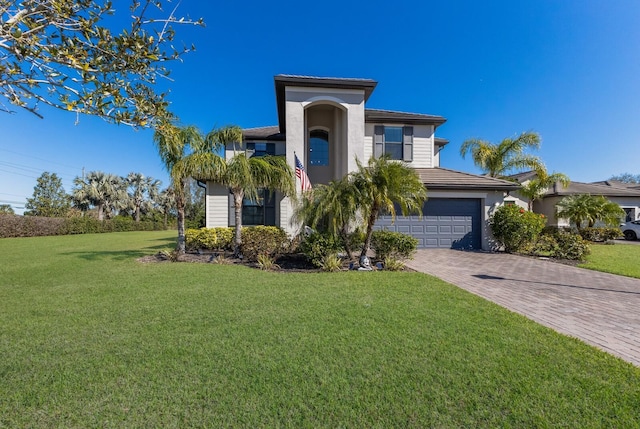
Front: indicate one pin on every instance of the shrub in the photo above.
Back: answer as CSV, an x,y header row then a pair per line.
x,y
83,225
34,226
267,263
514,228
571,246
317,246
331,263
393,244
219,238
393,264
545,245
263,240
600,234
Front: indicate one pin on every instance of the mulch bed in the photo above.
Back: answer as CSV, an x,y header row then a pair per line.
x,y
286,263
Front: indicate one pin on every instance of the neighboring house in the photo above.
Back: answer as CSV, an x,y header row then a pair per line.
x,y
324,122
627,196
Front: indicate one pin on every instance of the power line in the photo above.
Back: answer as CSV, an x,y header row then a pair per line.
x,y
41,159
30,169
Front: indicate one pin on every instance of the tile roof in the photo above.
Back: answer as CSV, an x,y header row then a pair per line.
x,y
618,184
522,177
263,133
575,188
443,178
607,188
379,115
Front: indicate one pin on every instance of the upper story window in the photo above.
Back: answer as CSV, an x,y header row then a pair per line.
x,y
397,142
261,149
318,148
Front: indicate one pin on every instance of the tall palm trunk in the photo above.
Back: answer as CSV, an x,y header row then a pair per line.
x,y
101,211
238,196
180,204
138,213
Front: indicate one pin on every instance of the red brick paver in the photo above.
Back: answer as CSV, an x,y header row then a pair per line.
x,y
600,309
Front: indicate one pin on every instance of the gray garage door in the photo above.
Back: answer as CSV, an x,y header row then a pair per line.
x,y
452,223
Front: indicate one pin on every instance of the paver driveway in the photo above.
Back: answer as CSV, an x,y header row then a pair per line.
x,y
600,309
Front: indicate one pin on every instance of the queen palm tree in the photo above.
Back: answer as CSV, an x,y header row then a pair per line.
x,y
175,144
382,185
536,187
103,191
589,209
245,176
497,160
332,208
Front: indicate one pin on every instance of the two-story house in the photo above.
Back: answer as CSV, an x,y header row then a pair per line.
x,y
324,122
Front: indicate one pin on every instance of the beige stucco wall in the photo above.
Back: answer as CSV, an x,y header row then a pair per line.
x,y
348,130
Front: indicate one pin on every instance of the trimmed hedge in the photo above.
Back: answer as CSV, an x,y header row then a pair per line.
x,y
390,244
600,234
220,238
318,246
263,240
34,226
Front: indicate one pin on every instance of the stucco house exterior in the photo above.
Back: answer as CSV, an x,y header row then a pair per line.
x,y
627,196
325,124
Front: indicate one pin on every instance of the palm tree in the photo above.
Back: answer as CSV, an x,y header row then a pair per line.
x,y
497,160
380,186
590,209
175,144
103,191
143,190
166,201
331,208
245,176
536,187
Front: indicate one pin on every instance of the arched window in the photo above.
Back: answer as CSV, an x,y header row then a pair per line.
x,y
318,148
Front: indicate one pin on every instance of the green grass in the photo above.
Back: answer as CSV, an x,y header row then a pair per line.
x,y
619,259
91,338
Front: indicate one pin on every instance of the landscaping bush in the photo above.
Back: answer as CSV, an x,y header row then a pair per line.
x,y
600,234
571,246
393,244
219,238
545,245
514,227
263,240
82,225
29,226
34,226
317,246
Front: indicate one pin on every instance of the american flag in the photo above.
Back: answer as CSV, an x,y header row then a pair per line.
x,y
305,184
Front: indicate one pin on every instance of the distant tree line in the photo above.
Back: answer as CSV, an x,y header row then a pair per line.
x,y
107,196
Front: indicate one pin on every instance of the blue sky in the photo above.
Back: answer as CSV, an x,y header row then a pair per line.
x,y
568,70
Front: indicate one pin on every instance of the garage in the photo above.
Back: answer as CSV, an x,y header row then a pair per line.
x,y
451,223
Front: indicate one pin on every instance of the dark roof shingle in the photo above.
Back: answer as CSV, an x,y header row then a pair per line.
x,y
443,178
379,115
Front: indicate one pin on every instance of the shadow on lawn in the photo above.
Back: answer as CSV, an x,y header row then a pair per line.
x,y
115,255
121,255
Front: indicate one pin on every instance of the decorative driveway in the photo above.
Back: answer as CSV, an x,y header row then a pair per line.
x,y
600,309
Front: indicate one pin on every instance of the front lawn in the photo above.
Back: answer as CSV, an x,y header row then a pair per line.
x,y
622,259
91,338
